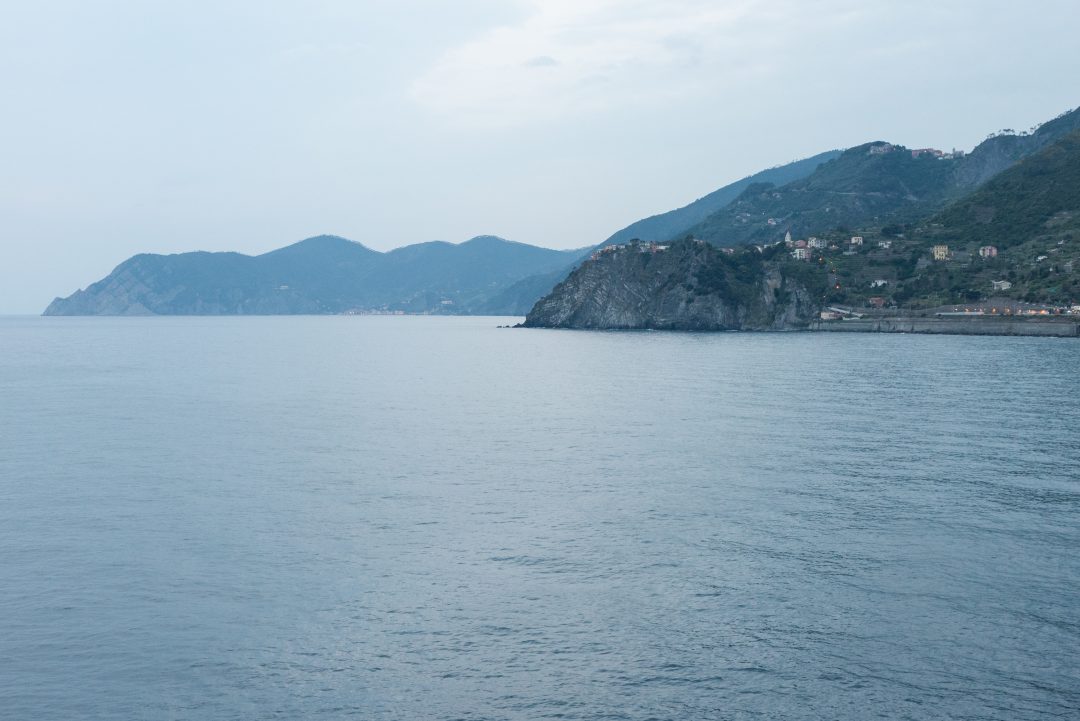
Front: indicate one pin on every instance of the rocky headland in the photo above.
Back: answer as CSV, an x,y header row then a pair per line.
x,y
685,285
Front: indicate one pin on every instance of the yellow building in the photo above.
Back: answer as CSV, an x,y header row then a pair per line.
x,y
941,252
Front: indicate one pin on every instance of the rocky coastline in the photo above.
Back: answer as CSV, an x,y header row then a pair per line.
x,y
686,285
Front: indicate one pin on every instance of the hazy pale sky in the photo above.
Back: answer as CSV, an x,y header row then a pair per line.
x,y
139,126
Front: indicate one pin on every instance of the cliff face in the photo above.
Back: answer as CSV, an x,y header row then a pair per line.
x,y
687,286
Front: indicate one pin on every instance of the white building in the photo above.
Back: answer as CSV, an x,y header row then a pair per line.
x,y
816,243
1002,285
801,254
857,240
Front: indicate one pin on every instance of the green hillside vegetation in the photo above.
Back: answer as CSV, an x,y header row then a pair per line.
x,y
1029,213
676,222
1036,199
871,185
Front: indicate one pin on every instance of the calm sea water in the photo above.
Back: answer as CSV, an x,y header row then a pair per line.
x,y
433,518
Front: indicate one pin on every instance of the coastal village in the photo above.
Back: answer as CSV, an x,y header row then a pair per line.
x,y
880,275
869,276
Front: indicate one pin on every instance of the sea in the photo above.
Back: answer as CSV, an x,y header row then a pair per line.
x,y
440,518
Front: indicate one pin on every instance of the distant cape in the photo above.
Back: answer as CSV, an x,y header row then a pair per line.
x,y
326,275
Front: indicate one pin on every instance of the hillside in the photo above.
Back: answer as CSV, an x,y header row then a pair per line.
x,y
874,184
1038,199
676,222
520,297
1026,221
1031,215
325,274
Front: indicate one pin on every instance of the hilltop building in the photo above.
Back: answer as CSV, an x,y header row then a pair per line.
x,y
857,240
988,251
940,252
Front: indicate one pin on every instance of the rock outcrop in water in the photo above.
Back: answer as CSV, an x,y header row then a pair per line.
x,y
688,285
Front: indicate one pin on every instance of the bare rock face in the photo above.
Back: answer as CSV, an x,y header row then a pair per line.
x,y
688,285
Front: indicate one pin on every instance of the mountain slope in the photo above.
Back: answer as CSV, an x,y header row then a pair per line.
x,y
1016,238
675,222
1031,215
871,185
519,298
1039,196
325,274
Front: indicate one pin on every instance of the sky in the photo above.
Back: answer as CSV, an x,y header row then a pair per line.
x,y
132,126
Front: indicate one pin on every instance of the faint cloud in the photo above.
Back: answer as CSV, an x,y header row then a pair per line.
x,y
648,52
541,61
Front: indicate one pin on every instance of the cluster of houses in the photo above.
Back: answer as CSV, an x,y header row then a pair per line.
x,y
885,148
640,245
803,249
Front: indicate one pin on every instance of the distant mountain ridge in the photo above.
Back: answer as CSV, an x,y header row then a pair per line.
x,y
323,274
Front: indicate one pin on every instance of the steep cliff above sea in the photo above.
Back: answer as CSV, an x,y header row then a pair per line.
x,y
687,285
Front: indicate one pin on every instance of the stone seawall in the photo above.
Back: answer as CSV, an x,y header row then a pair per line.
x,y
1057,328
